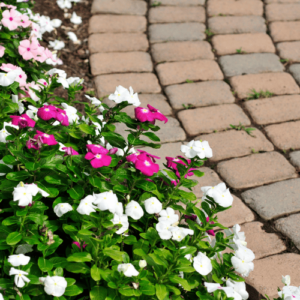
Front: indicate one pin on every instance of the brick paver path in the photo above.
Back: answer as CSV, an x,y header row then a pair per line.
x,y
212,56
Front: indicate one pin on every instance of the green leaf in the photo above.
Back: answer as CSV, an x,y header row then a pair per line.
x,y
129,292
115,139
6,283
179,280
73,290
14,238
4,169
98,293
198,173
9,159
114,254
86,128
76,192
187,250
80,257
95,273
17,176
121,188
77,268
187,195
146,185
52,180
161,291
216,279
152,136
44,264
147,288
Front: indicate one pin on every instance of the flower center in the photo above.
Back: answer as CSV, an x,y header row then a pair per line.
x,y
153,203
20,275
46,135
119,95
62,205
147,163
28,49
135,207
10,19
20,76
98,156
201,266
144,110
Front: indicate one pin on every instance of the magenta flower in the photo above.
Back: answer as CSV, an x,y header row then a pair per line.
x,y
34,144
22,121
113,151
152,157
149,114
97,149
62,117
28,49
2,50
79,246
24,21
133,157
172,163
158,115
47,112
11,19
145,165
45,138
69,151
98,160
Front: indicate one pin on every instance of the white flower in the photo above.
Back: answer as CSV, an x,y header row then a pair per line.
x,y
122,220
20,279
72,36
106,201
15,99
75,80
286,279
2,163
62,208
55,285
142,264
133,98
76,19
290,293
24,248
45,24
168,215
188,256
95,102
63,81
7,79
202,264
86,206
242,261
134,210
128,270
71,113
119,209
164,230
120,94
229,291
238,237
32,112
153,206
179,233
56,23
64,4
1,297
57,45
18,260
239,287
4,133
190,150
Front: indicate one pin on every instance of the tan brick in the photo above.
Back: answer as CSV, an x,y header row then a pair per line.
x,y
255,170
176,14
118,42
289,51
180,2
178,72
285,136
248,42
208,119
283,12
274,110
119,7
234,8
117,24
156,100
285,31
235,143
199,94
181,51
282,1
276,83
239,213
245,24
145,83
106,63
267,274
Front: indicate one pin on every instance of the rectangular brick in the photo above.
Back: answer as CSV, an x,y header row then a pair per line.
x,y
199,94
283,12
117,24
233,143
209,119
289,51
230,25
248,43
295,71
274,110
118,42
234,8
176,14
285,136
146,83
255,170
295,159
105,63
180,2
285,31
276,83
178,72
282,1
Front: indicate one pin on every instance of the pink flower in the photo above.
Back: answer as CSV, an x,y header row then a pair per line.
x,y
62,117
11,19
2,50
40,54
34,144
22,121
24,21
45,138
8,67
149,114
134,156
79,246
145,165
21,78
97,149
158,115
47,112
98,160
113,151
28,49
153,157
70,151
172,163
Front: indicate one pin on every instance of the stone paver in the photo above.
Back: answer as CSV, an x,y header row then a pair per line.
x,y
176,32
290,227
208,119
295,70
119,7
178,72
260,242
181,51
255,170
276,83
235,143
274,110
285,31
248,42
234,65
106,63
283,12
176,14
289,51
285,136
245,24
267,274
145,83
180,2
118,42
282,1
295,159
117,24
239,213
234,8
199,94
274,200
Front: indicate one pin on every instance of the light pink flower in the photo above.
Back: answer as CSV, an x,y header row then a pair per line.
x,y
11,19
24,21
2,50
21,78
22,121
45,138
28,49
8,67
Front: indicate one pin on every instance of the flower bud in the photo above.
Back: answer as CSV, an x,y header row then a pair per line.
x,y
286,280
142,263
128,197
